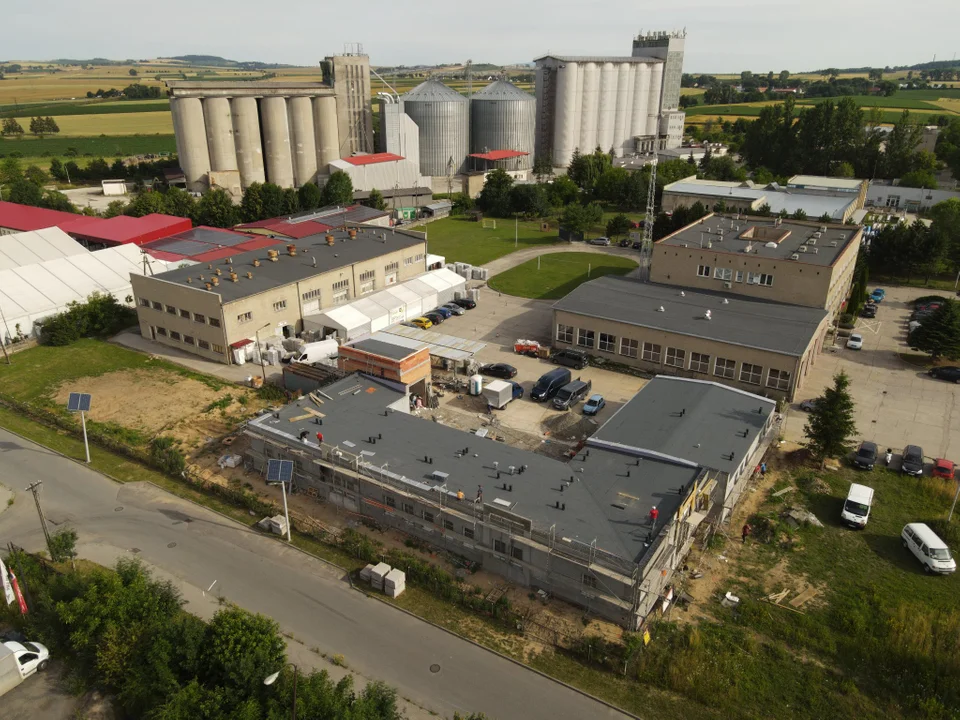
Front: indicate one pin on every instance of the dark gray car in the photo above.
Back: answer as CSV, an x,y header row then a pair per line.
x,y
866,456
912,463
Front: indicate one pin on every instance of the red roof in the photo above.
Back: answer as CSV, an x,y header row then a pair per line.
x,y
23,218
371,159
122,230
281,226
499,154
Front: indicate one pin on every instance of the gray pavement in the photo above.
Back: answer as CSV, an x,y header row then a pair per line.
x,y
208,556
521,256
896,403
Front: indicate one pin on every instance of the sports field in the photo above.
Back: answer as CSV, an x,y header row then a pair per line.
x,y
462,240
554,275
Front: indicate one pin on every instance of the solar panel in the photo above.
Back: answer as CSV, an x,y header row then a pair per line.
x,y
279,471
78,402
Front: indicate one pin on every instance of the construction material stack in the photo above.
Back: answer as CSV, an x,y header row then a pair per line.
x,y
377,574
394,582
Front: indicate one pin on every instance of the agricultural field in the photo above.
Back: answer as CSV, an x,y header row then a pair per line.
x,y
142,123
554,275
37,151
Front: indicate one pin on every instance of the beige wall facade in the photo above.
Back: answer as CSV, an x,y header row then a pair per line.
x,y
206,326
767,373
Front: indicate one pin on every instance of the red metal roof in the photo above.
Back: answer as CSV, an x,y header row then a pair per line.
x,y
371,159
122,230
499,154
23,218
281,226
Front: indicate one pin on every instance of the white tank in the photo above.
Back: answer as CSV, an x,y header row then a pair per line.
x,y
276,141
641,93
476,384
608,106
653,102
246,136
624,88
590,108
326,131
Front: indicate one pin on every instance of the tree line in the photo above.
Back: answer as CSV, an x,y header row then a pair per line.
x,y
134,91
916,250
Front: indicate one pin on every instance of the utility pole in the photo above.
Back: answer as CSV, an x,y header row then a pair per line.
x,y
34,487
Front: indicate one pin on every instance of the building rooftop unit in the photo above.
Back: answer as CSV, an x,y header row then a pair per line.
x,y
308,223
600,59
734,319
313,257
817,182
769,238
780,199
206,244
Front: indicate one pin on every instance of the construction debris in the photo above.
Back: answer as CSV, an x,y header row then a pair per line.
x,y
804,597
799,517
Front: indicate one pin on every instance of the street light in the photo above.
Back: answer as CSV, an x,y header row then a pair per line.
x,y
271,679
263,369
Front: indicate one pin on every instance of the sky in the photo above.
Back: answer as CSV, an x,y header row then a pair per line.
x,y
722,36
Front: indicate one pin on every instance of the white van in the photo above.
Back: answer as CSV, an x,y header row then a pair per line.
x,y
928,548
316,352
856,508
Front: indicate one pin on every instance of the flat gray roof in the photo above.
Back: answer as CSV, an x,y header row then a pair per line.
x,y
370,243
383,349
780,199
788,239
780,328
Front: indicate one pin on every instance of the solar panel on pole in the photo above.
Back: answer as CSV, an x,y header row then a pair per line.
x,y
286,471
73,402
84,402
273,471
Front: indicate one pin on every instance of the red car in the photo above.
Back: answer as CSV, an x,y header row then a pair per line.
x,y
943,469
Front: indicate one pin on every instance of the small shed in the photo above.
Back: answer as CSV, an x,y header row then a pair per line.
x,y
439,209
114,187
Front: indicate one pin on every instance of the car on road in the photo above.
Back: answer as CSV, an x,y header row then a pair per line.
x,y
943,468
605,241
878,295
869,311
637,245
866,456
30,657
594,404
950,373
855,342
571,358
466,303
499,370
422,323
928,548
624,243
454,309
434,317
912,463
809,405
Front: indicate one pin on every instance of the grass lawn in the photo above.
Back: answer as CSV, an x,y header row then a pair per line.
x,y
462,240
133,123
558,274
40,151
85,107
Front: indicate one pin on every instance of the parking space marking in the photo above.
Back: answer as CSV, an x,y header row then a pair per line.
x,y
873,326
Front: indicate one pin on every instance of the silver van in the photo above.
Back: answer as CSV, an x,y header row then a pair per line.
x,y
929,549
572,393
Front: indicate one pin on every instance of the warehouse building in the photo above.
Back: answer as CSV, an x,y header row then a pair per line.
x,y
315,222
207,308
786,261
754,345
579,530
626,105
205,244
380,171
233,134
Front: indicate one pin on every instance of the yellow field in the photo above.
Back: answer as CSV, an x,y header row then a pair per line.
x,y
148,123
951,104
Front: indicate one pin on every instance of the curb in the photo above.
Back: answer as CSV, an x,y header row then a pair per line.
x,y
353,586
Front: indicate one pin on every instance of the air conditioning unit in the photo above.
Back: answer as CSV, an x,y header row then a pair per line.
x,y
802,248
812,241
814,250
728,284
833,243
794,257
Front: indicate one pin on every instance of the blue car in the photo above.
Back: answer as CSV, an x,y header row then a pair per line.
x,y
878,295
443,311
594,404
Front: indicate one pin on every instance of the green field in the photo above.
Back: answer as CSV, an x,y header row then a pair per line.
x,y
39,150
89,107
462,240
554,275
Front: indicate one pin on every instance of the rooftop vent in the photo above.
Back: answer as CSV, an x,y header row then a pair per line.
x,y
219,271
256,262
233,277
726,302
439,476
352,232
814,250
660,309
682,294
706,315
208,286
215,280
812,241
189,280
291,250
794,257
249,276
330,239
833,243
770,244
748,248
823,228
802,248
272,255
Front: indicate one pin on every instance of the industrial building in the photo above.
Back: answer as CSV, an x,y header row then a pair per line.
x,y
314,222
626,105
579,530
750,344
787,261
442,117
897,198
207,308
381,171
502,123
232,134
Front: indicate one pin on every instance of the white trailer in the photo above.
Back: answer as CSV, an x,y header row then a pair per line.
x,y
498,393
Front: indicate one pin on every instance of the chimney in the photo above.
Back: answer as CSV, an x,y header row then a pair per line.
x,y
189,280
230,268
233,277
209,267
292,250
352,232
218,271
209,286
230,262
215,280
202,278
314,261
256,262
330,239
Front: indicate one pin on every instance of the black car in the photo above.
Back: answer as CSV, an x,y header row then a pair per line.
x,y
869,311
624,243
950,373
499,370
637,245
434,317
466,303
571,358
866,456
912,463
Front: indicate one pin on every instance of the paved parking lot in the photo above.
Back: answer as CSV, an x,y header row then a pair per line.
x,y
896,403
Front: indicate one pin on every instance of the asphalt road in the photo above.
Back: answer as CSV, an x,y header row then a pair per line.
x,y
310,599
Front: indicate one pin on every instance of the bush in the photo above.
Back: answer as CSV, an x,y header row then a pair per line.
x,y
167,455
271,393
101,315
847,321
928,299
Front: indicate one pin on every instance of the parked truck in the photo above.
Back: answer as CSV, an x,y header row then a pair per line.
x,y
498,393
18,661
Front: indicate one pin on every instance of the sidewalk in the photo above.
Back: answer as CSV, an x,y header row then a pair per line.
x,y
521,256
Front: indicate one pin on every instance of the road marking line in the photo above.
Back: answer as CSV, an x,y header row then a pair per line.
x,y
211,586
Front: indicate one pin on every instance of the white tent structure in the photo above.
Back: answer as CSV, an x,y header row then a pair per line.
x,y
388,307
30,293
37,246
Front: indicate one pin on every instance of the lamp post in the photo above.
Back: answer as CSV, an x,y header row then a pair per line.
x,y
263,369
271,679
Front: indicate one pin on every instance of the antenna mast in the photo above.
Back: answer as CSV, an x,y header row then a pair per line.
x,y
469,77
650,215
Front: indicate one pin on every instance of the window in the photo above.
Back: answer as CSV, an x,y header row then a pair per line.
x,y
244,317
408,508
162,331
703,271
752,374
428,516
759,279
608,343
389,501
341,291
279,305
185,314
739,275
214,322
391,267
468,533
368,287
174,335
27,657
651,352
197,317
171,309
368,275
414,259
725,368
517,552
585,338
203,344
676,357
448,524
189,340
628,347
144,302
723,274
311,295
700,362
589,581
157,306
500,546
219,349
564,333
778,379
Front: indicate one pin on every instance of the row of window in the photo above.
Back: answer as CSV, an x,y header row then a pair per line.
x,y
186,314
674,357
415,259
731,275
190,340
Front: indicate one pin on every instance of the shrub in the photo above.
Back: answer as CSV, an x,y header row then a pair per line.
x,y
847,321
99,316
167,455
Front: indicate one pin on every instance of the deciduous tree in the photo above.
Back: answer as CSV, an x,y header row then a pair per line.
x,y
338,190
216,209
311,196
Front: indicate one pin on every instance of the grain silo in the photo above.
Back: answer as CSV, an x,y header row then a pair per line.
x,y
502,117
442,115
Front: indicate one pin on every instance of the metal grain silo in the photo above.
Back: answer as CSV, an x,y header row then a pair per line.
x,y
502,117
442,115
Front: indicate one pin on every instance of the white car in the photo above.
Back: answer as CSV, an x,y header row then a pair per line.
x,y
31,656
855,342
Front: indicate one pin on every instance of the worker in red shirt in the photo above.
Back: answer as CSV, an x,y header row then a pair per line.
x,y
320,438
654,514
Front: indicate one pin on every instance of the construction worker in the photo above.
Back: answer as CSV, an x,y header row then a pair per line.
x,y
460,495
654,514
320,438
